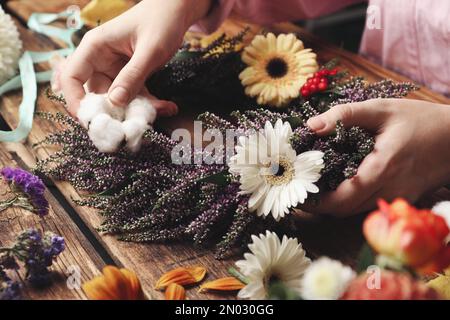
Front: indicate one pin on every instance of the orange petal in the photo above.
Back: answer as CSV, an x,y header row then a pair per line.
x,y
197,272
96,289
116,281
181,276
134,288
175,292
223,284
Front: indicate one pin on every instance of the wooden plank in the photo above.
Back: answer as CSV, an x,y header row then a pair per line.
x,y
79,252
148,261
24,8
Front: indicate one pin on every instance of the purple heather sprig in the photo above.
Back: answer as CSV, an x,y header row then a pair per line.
x,y
145,197
27,191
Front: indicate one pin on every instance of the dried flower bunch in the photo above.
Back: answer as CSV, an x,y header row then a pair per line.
x,y
25,190
146,197
37,251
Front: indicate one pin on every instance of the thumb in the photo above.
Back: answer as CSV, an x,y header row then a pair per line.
x,y
367,115
130,80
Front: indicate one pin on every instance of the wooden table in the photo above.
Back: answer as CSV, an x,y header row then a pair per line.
x,y
90,251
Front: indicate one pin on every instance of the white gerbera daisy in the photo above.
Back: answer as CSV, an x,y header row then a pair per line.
x,y
10,47
271,171
272,260
326,279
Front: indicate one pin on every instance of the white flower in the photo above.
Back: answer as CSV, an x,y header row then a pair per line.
x,y
10,47
108,125
443,209
272,260
326,279
271,171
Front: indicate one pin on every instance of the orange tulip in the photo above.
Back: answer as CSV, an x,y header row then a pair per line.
x,y
114,284
413,237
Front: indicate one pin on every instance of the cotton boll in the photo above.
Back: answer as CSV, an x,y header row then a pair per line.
x,y
117,113
134,130
141,108
90,106
106,133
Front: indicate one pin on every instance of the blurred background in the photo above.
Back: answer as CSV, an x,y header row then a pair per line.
x,y
343,28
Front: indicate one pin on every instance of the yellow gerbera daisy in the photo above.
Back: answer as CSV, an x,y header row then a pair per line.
x,y
277,68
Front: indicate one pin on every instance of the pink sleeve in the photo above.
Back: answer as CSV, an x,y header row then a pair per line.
x,y
269,11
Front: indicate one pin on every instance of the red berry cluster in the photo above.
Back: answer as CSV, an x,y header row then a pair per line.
x,y
317,83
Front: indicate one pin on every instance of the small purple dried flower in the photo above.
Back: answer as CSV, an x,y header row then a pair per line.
x,y
10,290
37,252
30,186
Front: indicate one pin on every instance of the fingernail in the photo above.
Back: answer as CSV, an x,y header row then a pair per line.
x,y
119,96
316,124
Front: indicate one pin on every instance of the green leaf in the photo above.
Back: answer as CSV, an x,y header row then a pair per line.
x,y
220,178
333,63
295,122
186,55
238,275
366,258
278,291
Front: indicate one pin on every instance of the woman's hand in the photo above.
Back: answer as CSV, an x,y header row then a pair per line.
x,y
118,56
411,155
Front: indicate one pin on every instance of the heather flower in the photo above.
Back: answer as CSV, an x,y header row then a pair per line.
x,y
27,191
145,197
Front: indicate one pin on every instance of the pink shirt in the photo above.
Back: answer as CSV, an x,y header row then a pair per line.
x,y
409,36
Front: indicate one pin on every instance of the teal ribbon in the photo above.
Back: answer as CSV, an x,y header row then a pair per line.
x,y
28,78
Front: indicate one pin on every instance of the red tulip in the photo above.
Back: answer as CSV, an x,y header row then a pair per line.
x,y
393,286
413,237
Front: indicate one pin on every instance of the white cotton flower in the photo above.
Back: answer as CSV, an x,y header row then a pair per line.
x,y
133,121
106,133
326,279
90,106
443,209
272,260
10,47
115,112
271,171
134,130
141,108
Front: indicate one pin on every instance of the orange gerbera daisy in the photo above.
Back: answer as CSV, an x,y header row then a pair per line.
x,y
114,284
